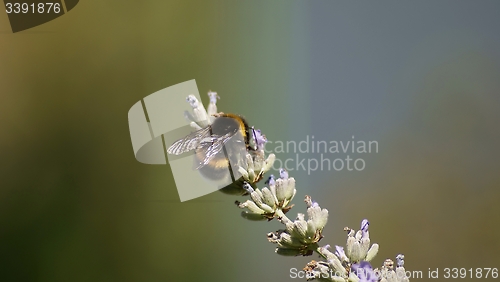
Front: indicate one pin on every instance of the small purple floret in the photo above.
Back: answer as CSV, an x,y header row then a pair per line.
x,y
248,188
259,138
364,227
400,260
283,174
339,252
364,271
271,180
213,97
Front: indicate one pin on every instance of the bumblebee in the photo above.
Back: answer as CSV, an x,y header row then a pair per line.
x,y
219,148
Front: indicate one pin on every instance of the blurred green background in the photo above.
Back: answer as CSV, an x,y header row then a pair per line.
x,y
420,78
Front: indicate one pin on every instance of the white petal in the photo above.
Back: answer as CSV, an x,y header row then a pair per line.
x,y
290,187
251,206
256,198
311,230
337,266
280,190
211,109
365,245
372,252
243,173
300,228
268,197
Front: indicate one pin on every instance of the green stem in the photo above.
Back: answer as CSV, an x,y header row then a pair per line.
x,y
315,247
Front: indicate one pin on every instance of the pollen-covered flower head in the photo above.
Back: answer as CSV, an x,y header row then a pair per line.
x,y
255,166
268,200
301,234
358,244
352,263
388,273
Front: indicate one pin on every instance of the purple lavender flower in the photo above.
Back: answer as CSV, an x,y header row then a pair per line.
x,y
248,187
283,174
271,180
364,227
259,138
364,271
339,252
213,97
400,260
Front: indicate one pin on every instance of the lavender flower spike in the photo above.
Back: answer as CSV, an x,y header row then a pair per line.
x,y
299,237
358,244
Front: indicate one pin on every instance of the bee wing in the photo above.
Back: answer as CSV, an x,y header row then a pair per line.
x,y
213,147
190,142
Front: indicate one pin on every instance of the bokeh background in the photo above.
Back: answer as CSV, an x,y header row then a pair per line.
x,y
422,78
